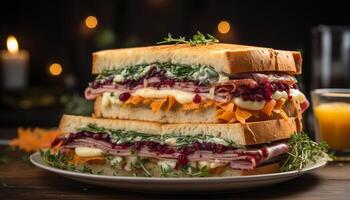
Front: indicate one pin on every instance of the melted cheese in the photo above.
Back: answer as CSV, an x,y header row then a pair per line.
x,y
222,78
118,78
297,95
278,95
166,164
116,160
170,141
88,152
180,96
109,98
211,165
249,105
129,162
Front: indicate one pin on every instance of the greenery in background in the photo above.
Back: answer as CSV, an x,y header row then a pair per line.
x,y
198,38
204,74
123,136
76,105
303,151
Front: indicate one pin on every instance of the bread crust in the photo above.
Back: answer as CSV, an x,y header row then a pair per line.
x,y
250,133
228,58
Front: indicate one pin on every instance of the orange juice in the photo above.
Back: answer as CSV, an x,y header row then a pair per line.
x,y
334,124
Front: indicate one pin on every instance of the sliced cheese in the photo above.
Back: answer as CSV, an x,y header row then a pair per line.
x,y
88,152
180,96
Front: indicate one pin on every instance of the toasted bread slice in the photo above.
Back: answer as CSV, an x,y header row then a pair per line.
x,y
228,58
242,134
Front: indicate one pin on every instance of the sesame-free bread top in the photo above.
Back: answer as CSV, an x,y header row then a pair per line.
x,y
250,133
228,58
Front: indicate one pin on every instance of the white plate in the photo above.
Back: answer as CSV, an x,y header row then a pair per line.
x,y
205,184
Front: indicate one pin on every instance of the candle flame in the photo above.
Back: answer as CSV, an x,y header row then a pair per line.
x,y
12,44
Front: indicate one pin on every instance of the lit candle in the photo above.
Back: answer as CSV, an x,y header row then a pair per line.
x,y
14,66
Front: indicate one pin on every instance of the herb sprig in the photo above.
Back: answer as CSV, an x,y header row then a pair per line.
x,y
196,39
303,151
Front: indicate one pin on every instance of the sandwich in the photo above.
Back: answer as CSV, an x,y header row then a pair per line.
x,y
216,83
189,110
141,148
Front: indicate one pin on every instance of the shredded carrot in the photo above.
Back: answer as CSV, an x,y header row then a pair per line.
x,y
157,104
35,139
227,106
227,116
280,104
147,101
218,113
190,106
281,113
208,103
242,115
80,160
171,103
135,100
269,107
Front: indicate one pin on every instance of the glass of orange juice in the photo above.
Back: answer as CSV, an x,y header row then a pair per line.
x,y
332,117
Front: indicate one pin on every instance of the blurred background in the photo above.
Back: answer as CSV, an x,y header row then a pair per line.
x,y
56,40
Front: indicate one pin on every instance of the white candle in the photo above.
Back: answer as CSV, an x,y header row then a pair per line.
x,y
14,66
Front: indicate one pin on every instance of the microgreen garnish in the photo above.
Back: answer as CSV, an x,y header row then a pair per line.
x,y
196,39
304,151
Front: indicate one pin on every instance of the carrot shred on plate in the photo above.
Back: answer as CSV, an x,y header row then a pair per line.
x,y
35,139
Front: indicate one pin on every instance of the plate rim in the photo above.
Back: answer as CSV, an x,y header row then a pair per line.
x,y
35,156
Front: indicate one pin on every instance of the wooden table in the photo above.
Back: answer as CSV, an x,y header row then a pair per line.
x,y
21,180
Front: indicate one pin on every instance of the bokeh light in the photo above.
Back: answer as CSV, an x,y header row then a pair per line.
x,y
224,27
91,22
55,69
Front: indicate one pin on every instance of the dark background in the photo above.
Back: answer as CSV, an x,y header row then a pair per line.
x,y
54,31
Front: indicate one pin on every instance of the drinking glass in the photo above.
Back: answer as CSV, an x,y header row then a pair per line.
x,y
332,118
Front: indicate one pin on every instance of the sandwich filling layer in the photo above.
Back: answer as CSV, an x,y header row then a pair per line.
x,y
189,88
170,152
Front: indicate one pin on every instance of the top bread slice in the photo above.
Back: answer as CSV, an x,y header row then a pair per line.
x,y
228,58
251,133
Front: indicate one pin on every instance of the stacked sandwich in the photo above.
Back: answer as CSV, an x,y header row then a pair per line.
x,y
186,110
